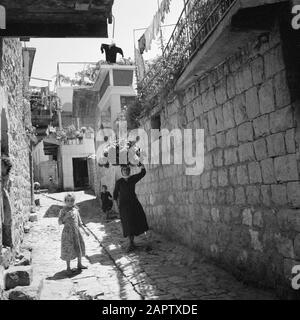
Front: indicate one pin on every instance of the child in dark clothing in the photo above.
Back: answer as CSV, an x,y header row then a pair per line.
x,y
106,199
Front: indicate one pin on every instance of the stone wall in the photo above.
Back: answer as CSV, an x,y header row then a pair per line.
x,y
243,210
16,111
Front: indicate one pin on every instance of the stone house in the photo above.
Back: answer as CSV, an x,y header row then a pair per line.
x,y
239,82
116,93
16,190
98,108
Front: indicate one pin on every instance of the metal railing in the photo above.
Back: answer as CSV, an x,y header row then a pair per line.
x,y
197,21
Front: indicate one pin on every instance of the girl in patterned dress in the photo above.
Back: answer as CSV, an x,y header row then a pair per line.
x,y
72,244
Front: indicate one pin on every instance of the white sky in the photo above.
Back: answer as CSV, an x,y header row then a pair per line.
x,y
129,15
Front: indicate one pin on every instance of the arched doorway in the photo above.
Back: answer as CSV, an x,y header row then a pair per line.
x,y
6,215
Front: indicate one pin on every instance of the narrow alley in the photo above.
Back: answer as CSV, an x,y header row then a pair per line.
x,y
159,269
183,121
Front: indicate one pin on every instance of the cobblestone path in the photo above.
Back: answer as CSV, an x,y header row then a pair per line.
x,y
158,269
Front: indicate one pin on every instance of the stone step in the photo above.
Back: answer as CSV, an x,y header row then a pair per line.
x,y
17,276
33,217
23,258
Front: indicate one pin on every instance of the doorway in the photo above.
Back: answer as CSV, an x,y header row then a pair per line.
x,y
80,173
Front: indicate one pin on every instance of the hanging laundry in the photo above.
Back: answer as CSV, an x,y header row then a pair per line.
x,y
111,52
154,28
156,23
164,8
139,61
148,40
142,43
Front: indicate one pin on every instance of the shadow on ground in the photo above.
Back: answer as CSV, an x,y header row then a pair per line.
x,y
64,275
53,211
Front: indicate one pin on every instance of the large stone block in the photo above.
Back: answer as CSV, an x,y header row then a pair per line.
x,y
276,146
242,175
279,196
239,82
286,168
231,91
233,176
290,141
209,100
228,115
239,105
231,156
190,113
218,158
293,193
257,67
215,215
282,91
258,219
230,196
253,194
266,195
205,180
240,197
266,98
17,276
223,177
252,103
212,123
247,217
285,246
260,147
273,61
289,219
208,161
245,132
246,152
268,172
297,246
220,92
214,179
231,137
24,293
198,107
254,172
219,118
281,120
247,77
221,140
261,126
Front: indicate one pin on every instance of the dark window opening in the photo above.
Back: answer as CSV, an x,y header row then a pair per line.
x,y
80,173
155,122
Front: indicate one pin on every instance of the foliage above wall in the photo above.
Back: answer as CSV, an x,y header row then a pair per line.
x,y
153,90
68,133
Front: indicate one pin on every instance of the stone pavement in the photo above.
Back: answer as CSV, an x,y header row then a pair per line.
x,y
158,269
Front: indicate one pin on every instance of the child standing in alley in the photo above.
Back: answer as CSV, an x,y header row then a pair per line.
x,y
106,199
72,244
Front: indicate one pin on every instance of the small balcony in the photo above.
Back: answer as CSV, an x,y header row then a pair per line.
x,y
207,32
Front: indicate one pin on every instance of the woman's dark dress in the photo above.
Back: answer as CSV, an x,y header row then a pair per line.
x,y
132,215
